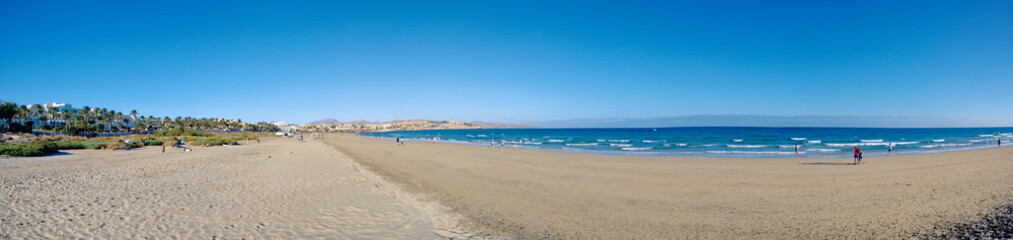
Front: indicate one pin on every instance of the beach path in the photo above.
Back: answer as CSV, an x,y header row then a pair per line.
x,y
533,194
279,189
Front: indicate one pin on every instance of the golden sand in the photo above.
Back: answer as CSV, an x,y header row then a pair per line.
x,y
529,194
280,189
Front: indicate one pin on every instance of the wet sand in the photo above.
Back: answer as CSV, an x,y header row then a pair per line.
x,y
279,189
532,194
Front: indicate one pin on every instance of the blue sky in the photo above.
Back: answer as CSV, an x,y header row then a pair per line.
x,y
513,61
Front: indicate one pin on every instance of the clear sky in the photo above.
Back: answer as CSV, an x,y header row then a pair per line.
x,y
512,61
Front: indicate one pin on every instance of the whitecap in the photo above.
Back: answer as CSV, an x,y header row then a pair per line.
x,y
736,140
745,146
938,140
751,152
635,148
621,140
872,141
653,141
986,135
681,144
482,135
945,145
582,144
620,145
601,140
823,150
797,138
867,144
787,146
556,140
533,143
815,141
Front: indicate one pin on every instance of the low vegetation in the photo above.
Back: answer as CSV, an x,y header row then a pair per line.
x,y
28,149
170,137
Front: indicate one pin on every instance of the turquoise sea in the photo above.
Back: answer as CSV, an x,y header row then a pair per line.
x,y
722,141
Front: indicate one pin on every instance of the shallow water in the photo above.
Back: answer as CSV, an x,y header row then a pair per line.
x,y
723,141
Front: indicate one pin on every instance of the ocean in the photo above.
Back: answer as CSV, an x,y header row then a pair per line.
x,y
722,141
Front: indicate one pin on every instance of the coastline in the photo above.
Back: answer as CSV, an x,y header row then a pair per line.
x,y
544,194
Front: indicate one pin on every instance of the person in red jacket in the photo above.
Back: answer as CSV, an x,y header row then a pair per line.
x,y
858,155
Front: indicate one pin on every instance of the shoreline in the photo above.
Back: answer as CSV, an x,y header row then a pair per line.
x,y
663,154
599,196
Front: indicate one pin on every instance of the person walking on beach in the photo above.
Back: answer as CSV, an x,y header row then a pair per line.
x,y
796,151
889,148
858,155
398,140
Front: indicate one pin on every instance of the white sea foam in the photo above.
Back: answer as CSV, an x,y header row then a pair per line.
x,y
945,145
620,140
986,135
635,148
654,141
471,136
797,138
745,146
815,141
872,141
977,140
532,143
736,140
556,140
867,144
823,150
787,146
601,140
709,145
483,135
681,144
751,152
938,140
620,145
582,144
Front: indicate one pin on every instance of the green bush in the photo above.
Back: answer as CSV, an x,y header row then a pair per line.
x,y
152,141
28,149
117,145
214,141
90,144
176,132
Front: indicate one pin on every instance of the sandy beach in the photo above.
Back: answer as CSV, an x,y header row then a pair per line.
x,y
532,194
351,187
280,189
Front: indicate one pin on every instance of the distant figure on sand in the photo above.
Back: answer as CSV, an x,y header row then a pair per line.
x,y
796,151
889,148
398,140
858,155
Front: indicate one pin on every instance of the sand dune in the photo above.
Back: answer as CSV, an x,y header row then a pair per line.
x,y
280,189
531,194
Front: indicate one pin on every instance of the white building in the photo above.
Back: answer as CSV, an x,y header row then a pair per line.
x,y
58,106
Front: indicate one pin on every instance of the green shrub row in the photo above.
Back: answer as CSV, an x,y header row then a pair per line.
x,y
214,141
90,144
28,149
177,132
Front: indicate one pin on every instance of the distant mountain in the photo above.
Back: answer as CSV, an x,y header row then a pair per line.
x,y
498,125
775,121
324,121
